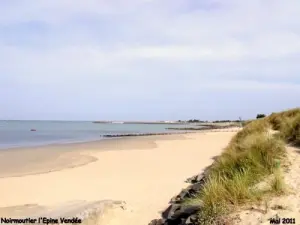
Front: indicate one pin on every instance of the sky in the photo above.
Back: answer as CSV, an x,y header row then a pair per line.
x,y
148,59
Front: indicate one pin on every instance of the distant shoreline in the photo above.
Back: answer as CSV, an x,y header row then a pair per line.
x,y
42,133
104,137
137,122
214,124
38,134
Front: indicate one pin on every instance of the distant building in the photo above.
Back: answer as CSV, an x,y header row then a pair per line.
x,y
167,121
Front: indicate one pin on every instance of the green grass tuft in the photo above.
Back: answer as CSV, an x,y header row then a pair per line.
x,y
277,184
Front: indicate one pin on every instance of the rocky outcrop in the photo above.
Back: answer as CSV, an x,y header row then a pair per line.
x,y
178,214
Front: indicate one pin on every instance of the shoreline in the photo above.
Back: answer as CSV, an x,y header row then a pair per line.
x,y
134,170
57,157
101,138
107,137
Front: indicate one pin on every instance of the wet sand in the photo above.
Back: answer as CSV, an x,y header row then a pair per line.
x,y
19,162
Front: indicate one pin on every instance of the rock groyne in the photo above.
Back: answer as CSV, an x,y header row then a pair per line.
x,y
142,134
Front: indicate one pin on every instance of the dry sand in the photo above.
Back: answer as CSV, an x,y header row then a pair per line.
x,y
144,172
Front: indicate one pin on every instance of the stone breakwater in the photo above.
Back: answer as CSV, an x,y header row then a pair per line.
x,y
185,130
141,134
180,214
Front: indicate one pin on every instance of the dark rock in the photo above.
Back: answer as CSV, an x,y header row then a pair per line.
x,y
195,188
182,195
165,213
189,192
191,220
177,199
201,177
179,214
176,211
157,222
185,211
191,179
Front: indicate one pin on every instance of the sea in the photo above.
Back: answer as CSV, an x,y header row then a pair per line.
x,y
15,134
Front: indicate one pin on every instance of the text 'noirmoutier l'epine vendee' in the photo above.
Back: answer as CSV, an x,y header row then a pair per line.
x,y
41,220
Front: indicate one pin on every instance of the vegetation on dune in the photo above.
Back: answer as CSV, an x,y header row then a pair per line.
x,y
251,155
259,116
288,125
243,164
291,130
246,122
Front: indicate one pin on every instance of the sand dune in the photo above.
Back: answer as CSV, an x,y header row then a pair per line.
x,y
285,206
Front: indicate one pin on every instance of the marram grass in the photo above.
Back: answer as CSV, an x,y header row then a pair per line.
x,y
250,156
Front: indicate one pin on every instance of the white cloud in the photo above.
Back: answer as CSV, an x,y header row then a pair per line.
x,y
103,40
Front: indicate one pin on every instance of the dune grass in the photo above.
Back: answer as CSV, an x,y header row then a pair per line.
x,y
277,183
242,165
291,130
275,118
251,155
288,123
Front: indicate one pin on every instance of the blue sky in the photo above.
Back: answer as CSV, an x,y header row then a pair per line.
x,y
148,59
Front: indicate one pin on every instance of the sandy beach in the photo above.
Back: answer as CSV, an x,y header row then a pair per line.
x,y
139,171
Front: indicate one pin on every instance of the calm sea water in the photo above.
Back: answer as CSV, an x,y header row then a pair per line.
x,y
17,133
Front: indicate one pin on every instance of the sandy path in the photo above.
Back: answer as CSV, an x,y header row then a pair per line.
x,y
287,206
146,179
